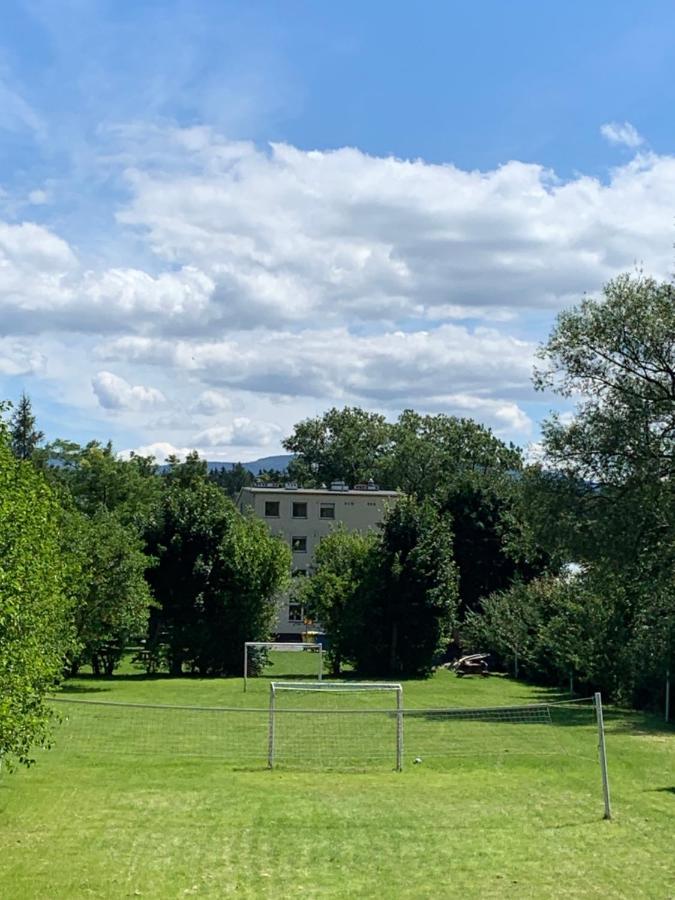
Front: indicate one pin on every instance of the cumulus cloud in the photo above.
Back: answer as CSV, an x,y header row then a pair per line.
x,y
450,368
242,433
622,133
210,403
285,238
289,235
322,277
116,393
160,451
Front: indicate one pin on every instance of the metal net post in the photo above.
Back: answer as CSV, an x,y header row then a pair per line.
x,y
602,752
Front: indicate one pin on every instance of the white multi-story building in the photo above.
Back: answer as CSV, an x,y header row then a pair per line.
x,y
302,516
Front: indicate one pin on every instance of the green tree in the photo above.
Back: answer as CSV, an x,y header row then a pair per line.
x,y
428,453
344,444
24,436
34,608
113,596
410,602
608,500
95,477
232,480
507,624
333,593
474,478
216,577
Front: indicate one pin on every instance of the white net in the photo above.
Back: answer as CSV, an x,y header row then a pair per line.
x,y
566,728
339,725
90,727
340,728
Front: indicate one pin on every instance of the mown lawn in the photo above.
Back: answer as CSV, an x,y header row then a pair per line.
x,y
111,824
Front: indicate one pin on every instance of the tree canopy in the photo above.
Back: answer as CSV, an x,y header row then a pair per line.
x,y
35,613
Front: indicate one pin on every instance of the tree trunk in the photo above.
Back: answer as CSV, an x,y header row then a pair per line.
x,y
393,652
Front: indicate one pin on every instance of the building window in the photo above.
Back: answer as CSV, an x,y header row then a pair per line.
x,y
272,509
299,510
299,544
295,612
327,511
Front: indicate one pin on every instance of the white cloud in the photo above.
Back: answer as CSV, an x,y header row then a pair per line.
x,y
19,358
160,450
116,393
210,403
275,283
449,368
622,133
242,433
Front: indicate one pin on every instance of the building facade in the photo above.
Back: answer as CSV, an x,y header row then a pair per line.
x,y
302,517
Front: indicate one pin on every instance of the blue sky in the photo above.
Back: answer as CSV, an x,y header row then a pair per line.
x,y
217,218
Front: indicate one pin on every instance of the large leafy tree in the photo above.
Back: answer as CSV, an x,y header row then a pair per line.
x,y
427,453
474,478
35,631
346,444
608,499
112,594
387,600
95,477
24,435
410,605
343,571
470,474
216,576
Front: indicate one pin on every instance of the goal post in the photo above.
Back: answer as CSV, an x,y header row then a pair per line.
x,y
335,723
283,647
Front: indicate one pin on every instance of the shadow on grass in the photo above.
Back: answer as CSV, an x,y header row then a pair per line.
x,y
129,676
67,688
664,790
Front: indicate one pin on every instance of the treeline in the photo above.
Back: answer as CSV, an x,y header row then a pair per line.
x,y
98,553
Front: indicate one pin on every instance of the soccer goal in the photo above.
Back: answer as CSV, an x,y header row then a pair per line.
x,y
333,724
282,660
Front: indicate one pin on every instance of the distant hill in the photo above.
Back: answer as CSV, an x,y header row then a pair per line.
x,y
256,466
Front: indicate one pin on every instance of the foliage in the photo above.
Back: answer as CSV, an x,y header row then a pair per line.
x,y
428,453
34,608
232,480
343,444
410,605
94,476
388,601
216,575
333,594
458,464
547,629
23,434
114,599
608,499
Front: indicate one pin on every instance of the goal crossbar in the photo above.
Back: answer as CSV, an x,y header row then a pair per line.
x,y
344,687
285,646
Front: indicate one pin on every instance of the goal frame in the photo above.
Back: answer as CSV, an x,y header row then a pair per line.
x,y
291,646
339,687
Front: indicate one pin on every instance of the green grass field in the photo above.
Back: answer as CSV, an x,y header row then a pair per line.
x,y
99,816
